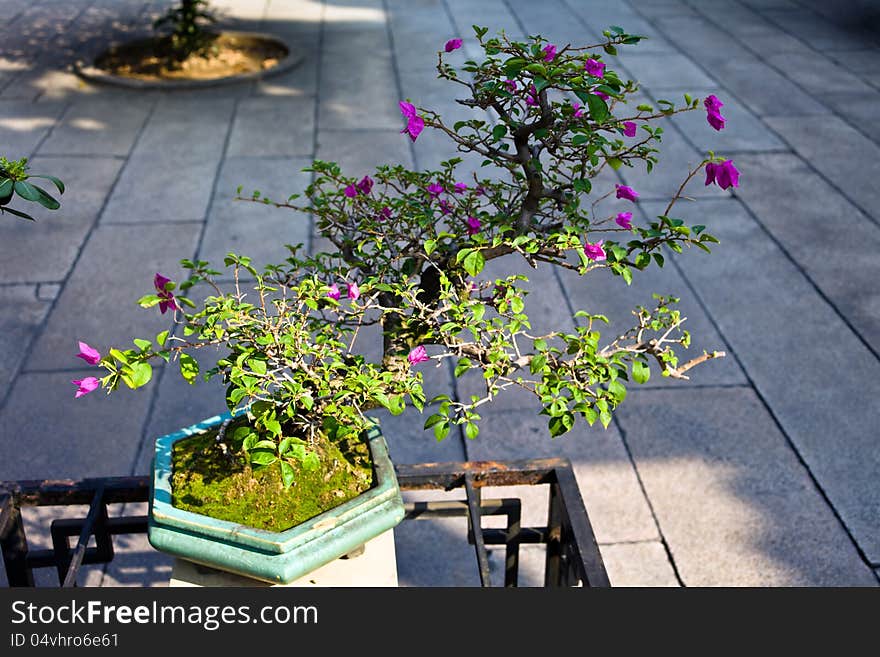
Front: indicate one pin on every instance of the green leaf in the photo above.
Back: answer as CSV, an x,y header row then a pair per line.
x,y
52,179
17,213
161,337
641,372
257,365
441,430
143,345
474,262
598,108
464,364
432,420
27,191
141,373
471,430
617,390
6,186
430,246
287,474
498,132
615,163
148,300
537,363
560,424
189,368
263,457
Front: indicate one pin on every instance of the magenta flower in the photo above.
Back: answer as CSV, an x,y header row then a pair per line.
x,y
417,355
353,291
626,193
85,386
445,207
724,174
532,98
713,112
351,191
480,191
594,251
473,225
578,110
384,213
549,52
88,354
601,95
435,189
471,287
629,128
460,188
453,44
595,68
624,220
511,85
334,292
414,123
365,186
167,298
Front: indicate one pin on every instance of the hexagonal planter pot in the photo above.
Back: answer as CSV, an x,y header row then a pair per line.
x,y
276,557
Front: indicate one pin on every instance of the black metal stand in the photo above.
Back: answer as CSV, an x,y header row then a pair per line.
x,y
572,553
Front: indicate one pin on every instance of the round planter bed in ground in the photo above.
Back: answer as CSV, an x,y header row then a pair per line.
x,y
231,57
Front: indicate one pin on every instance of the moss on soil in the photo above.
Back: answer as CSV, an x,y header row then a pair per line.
x,y
207,482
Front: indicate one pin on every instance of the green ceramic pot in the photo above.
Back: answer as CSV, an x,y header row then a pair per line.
x,y
277,557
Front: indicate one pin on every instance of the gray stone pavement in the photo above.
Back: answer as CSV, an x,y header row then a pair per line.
x,y
762,470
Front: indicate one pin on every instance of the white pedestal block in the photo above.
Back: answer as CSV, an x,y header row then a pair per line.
x,y
376,566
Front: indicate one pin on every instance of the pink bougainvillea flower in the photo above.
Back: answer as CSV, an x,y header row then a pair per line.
x,y
333,293
626,193
473,225
713,112
629,128
594,251
167,298
624,220
532,98
480,190
435,189
417,355
595,68
472,287
365,186
414,123
511,85
88,354
578,110
445,207
384,213
85,386
350,191
460,188
602,95
724,175
549,52
353,291
453,44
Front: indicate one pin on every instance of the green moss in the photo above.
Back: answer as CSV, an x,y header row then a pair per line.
x,y
206,481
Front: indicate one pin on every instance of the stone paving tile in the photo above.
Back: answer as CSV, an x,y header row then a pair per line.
x,y
735,505
435,553
21,313
766,309
271,126
494,14
68,438
743,131
860,109
187,125
672,71
853,165
638,564
23,125
801,210
154,189
359,153
820,34
597,16
817,74
97,126
758,86
45,250
302,80
616,505
242,226
354,88
418,31
857,61
98,305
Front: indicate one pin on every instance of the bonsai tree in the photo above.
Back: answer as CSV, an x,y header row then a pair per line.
x,y
186,23
409,249
14,182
